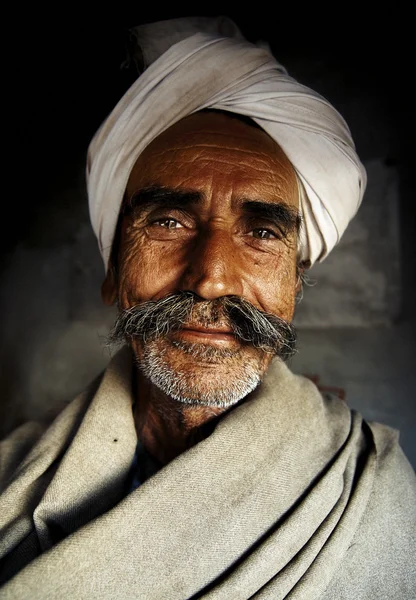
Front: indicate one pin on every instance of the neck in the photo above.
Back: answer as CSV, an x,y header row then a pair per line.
x,y
167,427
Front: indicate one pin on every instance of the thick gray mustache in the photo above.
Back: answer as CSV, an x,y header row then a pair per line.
x,y
151,320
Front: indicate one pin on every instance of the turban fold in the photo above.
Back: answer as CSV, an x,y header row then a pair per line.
x,y
194,71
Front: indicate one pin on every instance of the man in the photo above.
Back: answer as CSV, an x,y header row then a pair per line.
x,y
198,466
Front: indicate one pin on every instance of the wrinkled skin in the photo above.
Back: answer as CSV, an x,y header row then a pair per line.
x,y
210,248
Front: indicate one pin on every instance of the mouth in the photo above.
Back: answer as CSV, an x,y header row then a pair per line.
x,y
217,336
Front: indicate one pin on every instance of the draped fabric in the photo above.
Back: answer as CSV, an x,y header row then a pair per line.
x,y
193,71
291,496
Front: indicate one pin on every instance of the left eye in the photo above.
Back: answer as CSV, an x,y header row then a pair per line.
x,y
263,234
168,223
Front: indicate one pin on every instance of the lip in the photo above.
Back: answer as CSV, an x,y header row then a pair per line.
x,y
216,336
208,330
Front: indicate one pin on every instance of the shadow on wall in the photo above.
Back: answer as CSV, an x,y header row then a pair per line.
x,y
52,344
352,334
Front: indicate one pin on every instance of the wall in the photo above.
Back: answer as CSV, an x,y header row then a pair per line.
x,y
356,324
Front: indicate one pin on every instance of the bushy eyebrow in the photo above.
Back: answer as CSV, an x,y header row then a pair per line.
x,y
161,197
281,214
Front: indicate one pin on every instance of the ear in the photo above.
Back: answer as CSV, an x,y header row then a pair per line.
x,y
301,267
298,284
109,287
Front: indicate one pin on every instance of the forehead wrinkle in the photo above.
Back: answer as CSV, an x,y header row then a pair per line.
x,y
259,162
202,162
276,185
259,154
227,162
214,146
252,135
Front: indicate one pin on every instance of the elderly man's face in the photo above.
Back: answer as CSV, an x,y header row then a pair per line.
x,y
201,217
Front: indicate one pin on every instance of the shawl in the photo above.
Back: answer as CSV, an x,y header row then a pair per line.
x,y
293,495
193,64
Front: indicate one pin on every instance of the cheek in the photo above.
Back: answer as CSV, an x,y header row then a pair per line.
x,y
147,270
276,287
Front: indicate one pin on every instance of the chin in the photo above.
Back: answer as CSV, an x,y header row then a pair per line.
x,y
201,375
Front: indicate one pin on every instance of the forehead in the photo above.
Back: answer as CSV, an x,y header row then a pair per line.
x,y
220,151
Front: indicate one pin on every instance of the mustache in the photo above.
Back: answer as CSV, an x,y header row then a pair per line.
x,y
151,320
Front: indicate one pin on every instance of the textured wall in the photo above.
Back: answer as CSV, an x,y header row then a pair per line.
x,y
355,332
359,284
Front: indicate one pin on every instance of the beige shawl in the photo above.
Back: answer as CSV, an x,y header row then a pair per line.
x,y
292,496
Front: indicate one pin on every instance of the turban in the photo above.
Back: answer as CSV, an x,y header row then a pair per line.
x,y
218,69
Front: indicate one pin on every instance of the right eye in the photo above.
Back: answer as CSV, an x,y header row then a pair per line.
x,y
167,223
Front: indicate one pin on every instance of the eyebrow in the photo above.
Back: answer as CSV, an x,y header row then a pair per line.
x,y
283,215
163,197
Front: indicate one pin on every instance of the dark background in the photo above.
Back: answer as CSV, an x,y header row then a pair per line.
x,y
62,75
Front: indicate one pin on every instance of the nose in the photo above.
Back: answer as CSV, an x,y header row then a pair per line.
x,y
214,266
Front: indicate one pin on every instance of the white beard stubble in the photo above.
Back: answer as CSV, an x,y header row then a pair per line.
x,y
200,375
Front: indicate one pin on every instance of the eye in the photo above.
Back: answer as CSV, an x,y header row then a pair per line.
x,y
261,233
167,223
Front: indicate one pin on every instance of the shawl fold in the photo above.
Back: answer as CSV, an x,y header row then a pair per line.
x,y
292,496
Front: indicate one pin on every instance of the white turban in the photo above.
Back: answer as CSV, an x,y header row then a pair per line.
x,y
191,71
